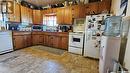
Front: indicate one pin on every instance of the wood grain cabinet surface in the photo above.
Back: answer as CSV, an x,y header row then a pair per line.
x,y
15,17
51,39
37,17
104,6
18,42
21,40
64,16
78,11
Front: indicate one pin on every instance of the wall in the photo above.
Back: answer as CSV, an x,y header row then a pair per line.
x,y
115,10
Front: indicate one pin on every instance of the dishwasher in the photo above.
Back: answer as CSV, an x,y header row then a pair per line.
x,y
6,44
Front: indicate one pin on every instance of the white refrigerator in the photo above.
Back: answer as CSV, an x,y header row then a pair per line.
x,y
93,32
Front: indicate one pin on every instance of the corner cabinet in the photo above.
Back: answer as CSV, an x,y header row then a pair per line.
x,y
51,39
64,15
37,17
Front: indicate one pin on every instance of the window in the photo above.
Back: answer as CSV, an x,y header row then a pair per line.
x,y
49,23
49,20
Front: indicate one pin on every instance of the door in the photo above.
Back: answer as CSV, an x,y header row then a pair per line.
x,y
64,42
91,8
50,40
28,40
68,15
15,17
18,42
60,16
45,40
56,41
37,17
104,6
35,39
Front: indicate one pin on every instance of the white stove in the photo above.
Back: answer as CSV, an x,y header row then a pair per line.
x,y
76,42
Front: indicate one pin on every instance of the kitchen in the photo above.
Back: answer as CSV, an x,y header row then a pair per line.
x,y
53,36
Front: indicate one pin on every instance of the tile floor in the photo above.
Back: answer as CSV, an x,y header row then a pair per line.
x,y
35,60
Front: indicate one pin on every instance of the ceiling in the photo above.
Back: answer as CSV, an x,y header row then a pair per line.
x,y
44,2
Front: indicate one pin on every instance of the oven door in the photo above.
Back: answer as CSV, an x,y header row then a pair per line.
x,y
76,41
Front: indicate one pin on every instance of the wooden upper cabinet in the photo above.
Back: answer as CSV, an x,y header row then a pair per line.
x,y
91,8
30,15
78,11
60,16
15,17
68,16
49,11
24,14
64,15
37,17
104,6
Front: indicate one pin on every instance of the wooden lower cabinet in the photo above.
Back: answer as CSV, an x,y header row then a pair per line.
x,y
37,39
22,41
18,42
49,39
28,40
45,40
56,41
63,44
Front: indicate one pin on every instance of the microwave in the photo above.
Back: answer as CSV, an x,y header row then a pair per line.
x,y
37,28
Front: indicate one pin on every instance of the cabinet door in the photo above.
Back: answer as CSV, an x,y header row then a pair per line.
x,y
18,42
41,39
78,11
24,14
56,40
60,16
30,15
45,40
28,40
15,17
50,40
92,8
68,15
75,11
35,39
37,17
64,43
104,6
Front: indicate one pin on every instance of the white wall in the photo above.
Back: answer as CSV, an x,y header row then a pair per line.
x,y
115,10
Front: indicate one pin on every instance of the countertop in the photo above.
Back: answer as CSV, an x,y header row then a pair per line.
x,y
40,33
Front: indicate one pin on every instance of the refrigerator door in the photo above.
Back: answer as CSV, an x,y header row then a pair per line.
x,y
91,47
